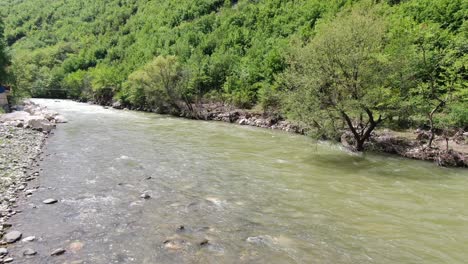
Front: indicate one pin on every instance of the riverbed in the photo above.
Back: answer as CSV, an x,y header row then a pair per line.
x,y
221,193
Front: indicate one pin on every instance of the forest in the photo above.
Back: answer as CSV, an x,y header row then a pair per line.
x,y
329,65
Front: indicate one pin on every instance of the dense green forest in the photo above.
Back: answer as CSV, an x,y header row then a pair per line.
x,y
4,60
329,65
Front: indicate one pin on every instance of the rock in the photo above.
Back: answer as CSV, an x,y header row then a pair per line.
x,y
117,105
39,123
50,201
12,236
60,119
76,246
29,239
205,242
49,115
243,122
57,252
3,251
175,244
8,260
15,116
260,240
29,252
145,195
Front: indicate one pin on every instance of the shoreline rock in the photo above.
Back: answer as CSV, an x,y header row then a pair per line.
x,y
22,137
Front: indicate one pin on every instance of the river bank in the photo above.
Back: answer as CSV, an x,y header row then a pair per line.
x,y
22,137
410,144
133,187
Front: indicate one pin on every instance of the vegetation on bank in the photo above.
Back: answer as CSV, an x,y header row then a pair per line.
x,y
4,59
330,65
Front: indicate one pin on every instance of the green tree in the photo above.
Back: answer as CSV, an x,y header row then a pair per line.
x,y
441,75
342,75
163,81
4,59
105,82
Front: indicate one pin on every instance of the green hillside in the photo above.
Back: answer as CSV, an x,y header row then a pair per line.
x,y
167,55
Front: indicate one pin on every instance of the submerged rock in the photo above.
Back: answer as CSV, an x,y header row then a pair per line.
x,y
265,239
204,242
76,246
57,252
145,195
175,244
29,252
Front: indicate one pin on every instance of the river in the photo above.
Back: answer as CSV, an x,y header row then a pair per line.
x,y
223,193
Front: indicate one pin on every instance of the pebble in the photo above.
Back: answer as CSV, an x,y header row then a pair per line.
x,y
29,239
76,246
205,242
50,201
12,236
145,196
57,252
175,244
29,252
3,251
260,240
8,260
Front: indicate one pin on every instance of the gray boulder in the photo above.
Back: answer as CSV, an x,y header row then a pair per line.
x,y
39,123
12,236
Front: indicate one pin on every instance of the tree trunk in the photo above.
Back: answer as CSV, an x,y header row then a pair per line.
x,y
431,122
365,132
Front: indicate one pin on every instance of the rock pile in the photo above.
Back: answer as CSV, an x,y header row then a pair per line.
x,y
22,136
33,116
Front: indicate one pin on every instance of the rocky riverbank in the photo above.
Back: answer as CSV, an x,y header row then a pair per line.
x,y
453,156
22,136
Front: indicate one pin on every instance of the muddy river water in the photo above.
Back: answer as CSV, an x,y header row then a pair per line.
x,y
221,193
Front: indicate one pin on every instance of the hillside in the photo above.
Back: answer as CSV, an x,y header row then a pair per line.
x,y
245,53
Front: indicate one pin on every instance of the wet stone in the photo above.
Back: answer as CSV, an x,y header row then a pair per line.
x,y
260,239
29,239
175,244
3,251
50,201
145,196
12,236
57,252
29,252
205,242
76,246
